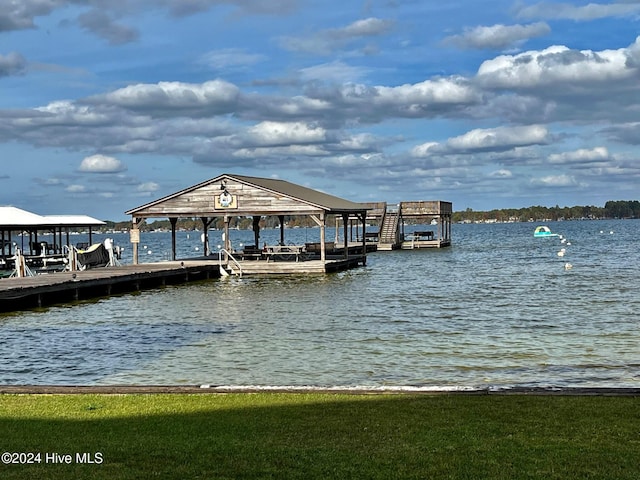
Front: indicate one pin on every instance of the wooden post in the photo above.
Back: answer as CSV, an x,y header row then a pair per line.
x,y
173,221
256,230
227,240
363,218
134,235
281,218
345,232
323,254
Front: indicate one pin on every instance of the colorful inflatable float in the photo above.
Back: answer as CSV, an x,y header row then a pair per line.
x,y
544,231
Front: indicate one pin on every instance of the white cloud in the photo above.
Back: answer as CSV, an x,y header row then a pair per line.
x,y
12,64
327,41
101,164
498,36
215,96
440,90
581,156
487,139
75,188
554,181
230,59
280,133
336,71
556,65
148,187
591,11
502,173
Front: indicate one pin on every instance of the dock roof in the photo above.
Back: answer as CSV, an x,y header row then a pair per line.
x,y
265,196
17,218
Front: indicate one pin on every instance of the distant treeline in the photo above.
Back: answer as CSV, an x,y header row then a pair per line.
x,y
611,209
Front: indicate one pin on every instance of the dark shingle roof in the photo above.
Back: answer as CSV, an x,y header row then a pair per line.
x,y
308,195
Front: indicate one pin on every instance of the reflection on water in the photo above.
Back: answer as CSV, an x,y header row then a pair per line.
x,y
496,309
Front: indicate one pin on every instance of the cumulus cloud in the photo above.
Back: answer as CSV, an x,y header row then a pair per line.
x,y
75,188
502,173
257,7
19,15
555,65
212,97
147,188
278,133
591,11
497,37
103,25
554,181
484,140
581,156
327,41
12,64
101,164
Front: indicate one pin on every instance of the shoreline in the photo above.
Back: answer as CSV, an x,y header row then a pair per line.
x,y
227,389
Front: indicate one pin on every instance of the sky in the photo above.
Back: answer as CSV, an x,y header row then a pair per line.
x,y
106,105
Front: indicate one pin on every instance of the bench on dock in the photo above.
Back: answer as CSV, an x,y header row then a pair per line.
x,y
285,252
315,247
425,235
250,252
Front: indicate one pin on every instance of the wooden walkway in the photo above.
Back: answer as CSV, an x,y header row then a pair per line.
x,y
63,287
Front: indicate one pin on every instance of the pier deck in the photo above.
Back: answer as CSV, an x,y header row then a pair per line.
x,y
61,287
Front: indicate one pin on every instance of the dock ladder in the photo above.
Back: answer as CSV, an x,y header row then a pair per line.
x,y
225,269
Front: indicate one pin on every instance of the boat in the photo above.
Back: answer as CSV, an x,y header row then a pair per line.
x,y
544,231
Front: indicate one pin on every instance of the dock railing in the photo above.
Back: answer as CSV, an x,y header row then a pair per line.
x,y
228,256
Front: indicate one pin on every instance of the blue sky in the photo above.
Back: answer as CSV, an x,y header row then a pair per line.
x,y
108,104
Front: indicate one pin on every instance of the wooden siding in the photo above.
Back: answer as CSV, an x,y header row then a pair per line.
x,y
409,209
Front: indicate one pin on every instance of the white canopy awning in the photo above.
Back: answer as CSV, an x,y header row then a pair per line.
x,y
16,218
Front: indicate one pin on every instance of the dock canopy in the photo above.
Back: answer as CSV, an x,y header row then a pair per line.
x,y
13,219
230,195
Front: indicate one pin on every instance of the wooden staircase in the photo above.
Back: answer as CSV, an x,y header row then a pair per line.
x,y
388,235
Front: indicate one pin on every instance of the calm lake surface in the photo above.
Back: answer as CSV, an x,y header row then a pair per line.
x,y
497,309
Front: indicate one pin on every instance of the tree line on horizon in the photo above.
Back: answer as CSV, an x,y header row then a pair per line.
x,y
611,209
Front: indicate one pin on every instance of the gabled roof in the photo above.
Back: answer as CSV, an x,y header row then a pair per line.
x,y
304,194
313,198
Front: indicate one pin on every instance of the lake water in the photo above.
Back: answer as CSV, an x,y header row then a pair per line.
x,y
497,309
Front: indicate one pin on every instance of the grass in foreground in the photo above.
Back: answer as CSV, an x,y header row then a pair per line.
x,y
321,436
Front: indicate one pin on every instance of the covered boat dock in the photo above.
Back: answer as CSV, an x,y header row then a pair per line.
x,y
43,240
228,196
432,219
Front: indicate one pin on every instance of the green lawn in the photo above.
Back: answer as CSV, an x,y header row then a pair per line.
x,y
322,436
